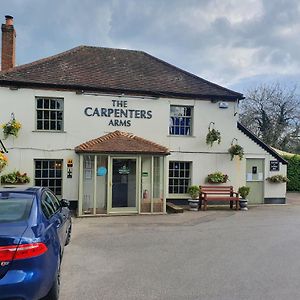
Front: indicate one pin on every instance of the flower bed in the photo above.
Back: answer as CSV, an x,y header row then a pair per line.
x,y
15,178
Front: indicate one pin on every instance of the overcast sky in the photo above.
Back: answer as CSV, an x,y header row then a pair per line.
x,y
235,43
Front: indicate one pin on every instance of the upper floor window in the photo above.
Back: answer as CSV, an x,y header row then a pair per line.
x,y
180,120
49,114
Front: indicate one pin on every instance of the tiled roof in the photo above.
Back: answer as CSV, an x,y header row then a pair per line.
x,y
114,70
121,142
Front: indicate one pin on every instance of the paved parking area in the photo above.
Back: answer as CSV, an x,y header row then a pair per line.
x,y
195,255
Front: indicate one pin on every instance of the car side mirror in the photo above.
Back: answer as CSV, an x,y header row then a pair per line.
x,y
65,203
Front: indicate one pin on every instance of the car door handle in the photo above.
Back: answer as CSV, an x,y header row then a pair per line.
x,y
58,223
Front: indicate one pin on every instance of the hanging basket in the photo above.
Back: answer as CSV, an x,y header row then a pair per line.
x,y
12,127
236,150
213,135
3,161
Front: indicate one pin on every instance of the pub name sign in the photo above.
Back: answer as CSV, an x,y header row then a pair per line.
x,y
119,114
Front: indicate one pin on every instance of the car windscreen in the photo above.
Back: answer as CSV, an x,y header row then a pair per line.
x,y
15,206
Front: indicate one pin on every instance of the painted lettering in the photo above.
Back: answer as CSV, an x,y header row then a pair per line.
x,y
86,111
96,112
149,114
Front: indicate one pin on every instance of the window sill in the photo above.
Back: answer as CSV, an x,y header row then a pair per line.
x,y
178,135
178,196
49,131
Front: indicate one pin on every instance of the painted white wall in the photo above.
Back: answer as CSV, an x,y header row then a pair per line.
x,y
78,128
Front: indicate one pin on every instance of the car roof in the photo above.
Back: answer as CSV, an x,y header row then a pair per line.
x,y
25,190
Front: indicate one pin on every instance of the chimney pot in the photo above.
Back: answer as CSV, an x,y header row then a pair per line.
x,y
9,20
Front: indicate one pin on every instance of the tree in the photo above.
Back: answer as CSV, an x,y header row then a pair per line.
x,y
272,112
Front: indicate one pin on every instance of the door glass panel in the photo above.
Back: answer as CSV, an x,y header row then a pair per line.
x,y
146,185
101,195
88,185
124,183
158,184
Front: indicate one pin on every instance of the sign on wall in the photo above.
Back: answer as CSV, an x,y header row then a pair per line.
x,y
274,165
119,114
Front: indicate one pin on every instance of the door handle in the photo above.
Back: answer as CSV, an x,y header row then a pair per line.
x,y
58,223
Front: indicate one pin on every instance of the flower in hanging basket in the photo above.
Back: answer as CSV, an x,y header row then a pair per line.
x,y
11,128
277,179
212,136
217,177
236,150
15,178
3,161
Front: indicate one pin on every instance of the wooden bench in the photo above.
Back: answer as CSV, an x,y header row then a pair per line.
x,y
218,193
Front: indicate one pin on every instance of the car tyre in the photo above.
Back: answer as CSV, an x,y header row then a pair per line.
x,y
54,291
69,235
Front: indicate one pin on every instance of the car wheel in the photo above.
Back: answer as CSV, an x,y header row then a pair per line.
x,y
68,236
54,291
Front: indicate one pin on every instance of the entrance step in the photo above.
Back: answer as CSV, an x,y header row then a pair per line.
x,y
172,208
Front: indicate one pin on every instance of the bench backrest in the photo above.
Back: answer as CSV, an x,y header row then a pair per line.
x,y
211,189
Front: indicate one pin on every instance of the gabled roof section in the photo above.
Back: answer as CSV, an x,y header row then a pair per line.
x,y
263,145
114,71
121,142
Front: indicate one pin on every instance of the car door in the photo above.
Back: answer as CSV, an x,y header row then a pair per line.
x,y
62,215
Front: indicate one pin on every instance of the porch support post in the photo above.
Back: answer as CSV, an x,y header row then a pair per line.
x,y
95,184
165,185
80,199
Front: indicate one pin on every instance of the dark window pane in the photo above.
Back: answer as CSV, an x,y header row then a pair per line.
x,y
58,191
45,164
38,173
52,127
58,173
38,182
59,115
51,164
39,103
39,125
38,164
39,114
46,103
46,114
46,125
181,189
44,182
58,182
52,104
59,125
51,173
53,115
45,174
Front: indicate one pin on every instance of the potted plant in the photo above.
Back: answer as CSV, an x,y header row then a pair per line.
x,y
213,135
277,179
3,161
12,127
217,177
193,190
244,192
236,150
15,178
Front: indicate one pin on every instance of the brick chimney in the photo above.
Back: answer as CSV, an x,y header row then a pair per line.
x,y
8,55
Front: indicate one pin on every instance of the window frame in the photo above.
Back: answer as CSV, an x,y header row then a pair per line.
x,y
191,127
49,110
188,178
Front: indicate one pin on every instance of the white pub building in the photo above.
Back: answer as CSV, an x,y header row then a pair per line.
x,y
119,131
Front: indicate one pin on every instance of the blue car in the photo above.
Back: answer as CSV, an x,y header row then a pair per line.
x,y
34,228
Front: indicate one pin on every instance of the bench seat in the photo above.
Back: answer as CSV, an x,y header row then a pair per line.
x,y
218,193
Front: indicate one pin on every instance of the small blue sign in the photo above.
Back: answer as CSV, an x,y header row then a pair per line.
x,y
101,171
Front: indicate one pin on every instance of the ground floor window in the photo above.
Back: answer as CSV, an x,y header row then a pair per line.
x,y
48,173
179,177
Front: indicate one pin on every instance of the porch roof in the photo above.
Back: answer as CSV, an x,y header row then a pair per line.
x,y
123,143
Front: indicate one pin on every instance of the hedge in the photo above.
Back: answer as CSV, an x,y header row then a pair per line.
x,y
293,172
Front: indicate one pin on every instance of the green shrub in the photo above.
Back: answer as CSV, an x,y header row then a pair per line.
x,y
293,172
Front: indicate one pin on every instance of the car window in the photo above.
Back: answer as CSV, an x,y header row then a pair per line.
x,y
54,200
48,207
15,206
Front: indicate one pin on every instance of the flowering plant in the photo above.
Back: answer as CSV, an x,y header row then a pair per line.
x,y
277,179
15,177
3,161
217,177
12,127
